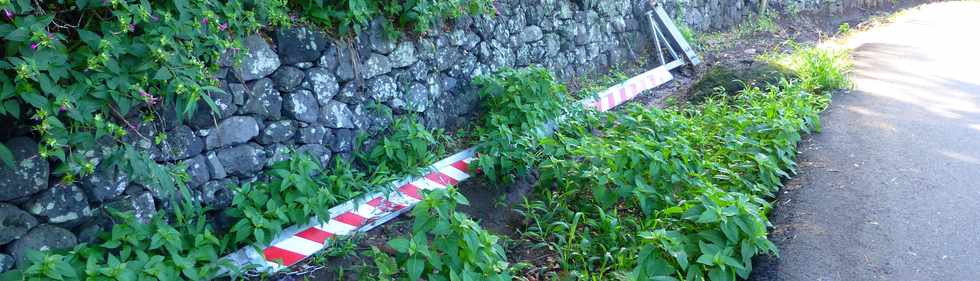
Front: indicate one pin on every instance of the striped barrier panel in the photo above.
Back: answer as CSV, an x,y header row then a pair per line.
x,y
297,243
629,89
361,214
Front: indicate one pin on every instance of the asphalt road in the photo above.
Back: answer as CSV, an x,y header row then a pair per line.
x,y
890,190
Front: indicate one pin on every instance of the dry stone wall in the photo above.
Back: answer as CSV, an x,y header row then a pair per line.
x,y
722,14
299,89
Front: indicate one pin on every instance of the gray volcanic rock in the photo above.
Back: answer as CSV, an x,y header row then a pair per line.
x,y
302,44
181,143
279,131
63,205
232,131
242,160
288,78
43,237
29,174
141,206
336,115
14,223
322,83
264,100
302,106
260,61
105,184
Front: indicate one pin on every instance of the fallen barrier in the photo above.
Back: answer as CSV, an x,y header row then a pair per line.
x,y
364,213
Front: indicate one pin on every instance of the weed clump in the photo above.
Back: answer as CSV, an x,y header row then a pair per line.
x,y
678,193
520,106
408,147
814,69
444,245
348,17
818,70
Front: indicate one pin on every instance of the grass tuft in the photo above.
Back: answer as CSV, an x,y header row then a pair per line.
x,y
819,70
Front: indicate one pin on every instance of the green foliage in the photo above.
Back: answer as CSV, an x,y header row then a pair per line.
x,y
793,9
351,16
444,245
186,246
649,194
408,147
818,69
689,34
183,247
294,192
519,105
289,193
6,156
764,22
77,70
844,28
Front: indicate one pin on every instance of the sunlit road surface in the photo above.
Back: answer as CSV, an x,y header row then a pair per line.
x,y
890,190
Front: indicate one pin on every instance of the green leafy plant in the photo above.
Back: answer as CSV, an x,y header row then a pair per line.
x,y
818,69
844,28
764,22
181,247
79,71
689,34
650,194
295,192
351,16
186,246
407,148
86,74
289,192
444,245
720,233
519,105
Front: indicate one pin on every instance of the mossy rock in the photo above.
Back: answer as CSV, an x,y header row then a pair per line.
x,y
728,81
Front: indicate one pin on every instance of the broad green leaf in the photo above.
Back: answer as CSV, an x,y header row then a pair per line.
x,y
414,268
399,244
6,156
35,100
163,74
20,34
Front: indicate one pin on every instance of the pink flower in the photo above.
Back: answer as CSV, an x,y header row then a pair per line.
x,y
150,99
63,108
132,27
223,26
34,46
7,13
204,21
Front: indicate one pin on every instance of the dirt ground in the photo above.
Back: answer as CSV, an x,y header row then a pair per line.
x,y
494,207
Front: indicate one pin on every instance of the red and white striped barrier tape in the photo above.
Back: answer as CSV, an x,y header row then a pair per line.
x,y
362,214
366,212
629,89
